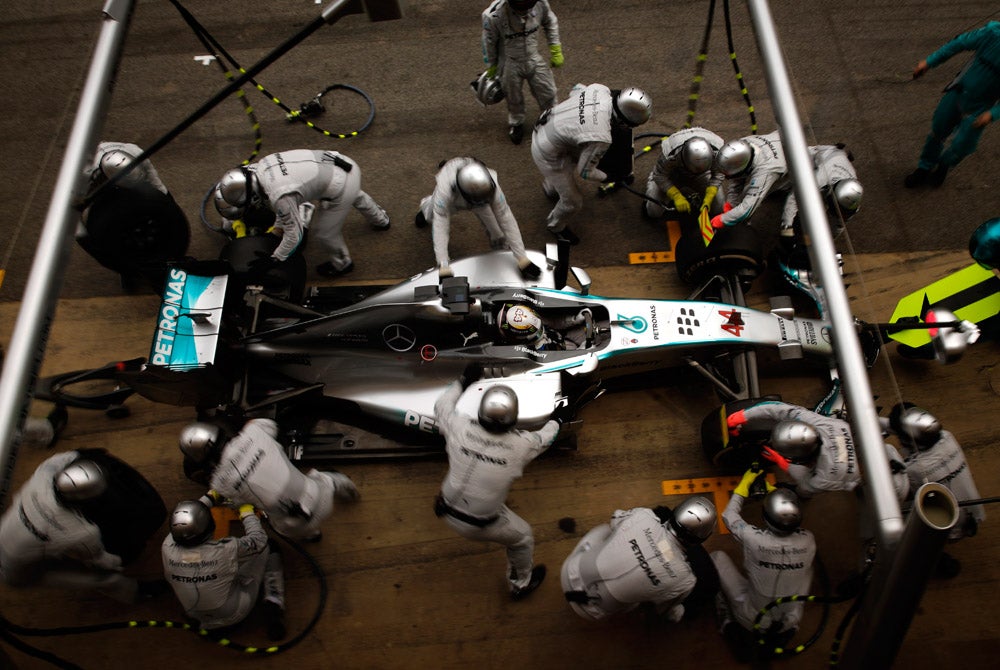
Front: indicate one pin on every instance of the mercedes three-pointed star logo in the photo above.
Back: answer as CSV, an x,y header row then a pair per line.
x,y
398,337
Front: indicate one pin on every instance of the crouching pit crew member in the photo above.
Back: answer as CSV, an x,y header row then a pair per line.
x,y
642,556
218,582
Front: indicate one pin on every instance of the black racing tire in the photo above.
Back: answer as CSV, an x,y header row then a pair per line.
x,y
735,250
733,455
129,513
137,233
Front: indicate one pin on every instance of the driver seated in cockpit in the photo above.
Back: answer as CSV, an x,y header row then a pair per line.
x,y
520,323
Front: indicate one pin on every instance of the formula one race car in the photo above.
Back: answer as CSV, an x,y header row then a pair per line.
x,y
354,372
335,371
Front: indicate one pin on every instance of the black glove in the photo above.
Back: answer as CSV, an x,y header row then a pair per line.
x,y
531,271
262,263
562,414
472,373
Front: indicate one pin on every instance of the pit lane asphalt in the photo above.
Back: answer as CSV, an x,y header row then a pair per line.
x,y
850,64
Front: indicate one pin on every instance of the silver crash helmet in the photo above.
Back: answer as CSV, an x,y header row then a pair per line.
x,y
113,163
520,323
795,440
487,89
191,523
781,511
237,190
735,157
633,106
915,425
81,480
847,195
498,409
697,155
199,440
475,183
224,208
693,520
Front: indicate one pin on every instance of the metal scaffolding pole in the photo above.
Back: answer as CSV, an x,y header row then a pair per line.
x,y
34,320
889,573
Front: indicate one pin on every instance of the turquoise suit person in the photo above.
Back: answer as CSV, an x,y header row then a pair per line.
x,y
970,102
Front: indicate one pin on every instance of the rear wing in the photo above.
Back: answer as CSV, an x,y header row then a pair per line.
x,y
189,320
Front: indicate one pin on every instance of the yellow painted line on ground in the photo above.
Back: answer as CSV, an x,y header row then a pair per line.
x,y
720,488
642,257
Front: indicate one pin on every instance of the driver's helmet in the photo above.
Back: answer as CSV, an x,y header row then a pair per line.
x,y
191,523
781,511
915,425
847,195
735,157
795,440
632,106
520,323
693,520
697,155
199,441
238,189
475,183
498,409
81,480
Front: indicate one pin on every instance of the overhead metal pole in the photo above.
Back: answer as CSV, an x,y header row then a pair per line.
x,y
889,574
34,320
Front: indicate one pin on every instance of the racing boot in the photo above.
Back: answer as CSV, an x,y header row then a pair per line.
x,y
537,575
327,270
516,133
274,618
344,489
567,235
936,178
916,178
